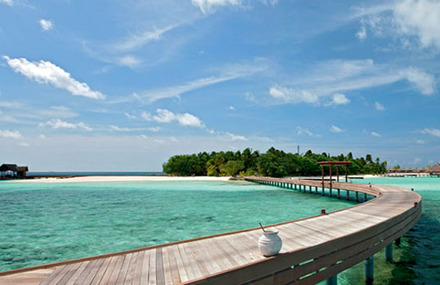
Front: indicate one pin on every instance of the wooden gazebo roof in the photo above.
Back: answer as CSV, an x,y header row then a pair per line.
x,y
334,163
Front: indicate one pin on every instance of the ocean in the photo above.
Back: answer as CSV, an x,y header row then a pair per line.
x,y
43,223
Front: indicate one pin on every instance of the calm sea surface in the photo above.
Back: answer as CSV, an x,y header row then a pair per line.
x,y
42,223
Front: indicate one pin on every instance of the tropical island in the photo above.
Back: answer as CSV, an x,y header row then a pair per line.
x,y
272,163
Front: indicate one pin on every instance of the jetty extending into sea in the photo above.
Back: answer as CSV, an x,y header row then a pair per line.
x,y
314,249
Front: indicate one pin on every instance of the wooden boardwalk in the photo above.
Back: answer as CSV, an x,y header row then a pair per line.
x,y
314,249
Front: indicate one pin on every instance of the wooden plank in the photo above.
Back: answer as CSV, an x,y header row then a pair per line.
x,y
89,272
116,270
152,279
56,276
124,269
174,272
160,275
191,267
107,274
145,267
78,273
136,258
71,268
96,278
174,250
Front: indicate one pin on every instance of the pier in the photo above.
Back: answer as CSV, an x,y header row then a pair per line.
x,y
314,249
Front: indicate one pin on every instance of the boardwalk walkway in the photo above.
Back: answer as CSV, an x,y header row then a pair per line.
x,y
314,249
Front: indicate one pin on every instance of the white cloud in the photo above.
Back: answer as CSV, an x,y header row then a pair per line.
x,y
405,20
8,134
423,81
301,131
154,129
46,25
432,132
24,144
231,108
59,112
420,142
335,77
338,99
118,129
362,33
233,137
130,116
59,124
207,6
45,72
420,18
379,106
288,95
374,134
146,116
129,60
229,73
185,119
335,129
7,2
139,40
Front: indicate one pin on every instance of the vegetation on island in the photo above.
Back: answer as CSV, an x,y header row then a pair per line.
x,y
274,163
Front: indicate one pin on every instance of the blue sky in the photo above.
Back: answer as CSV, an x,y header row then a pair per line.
x,y
123,85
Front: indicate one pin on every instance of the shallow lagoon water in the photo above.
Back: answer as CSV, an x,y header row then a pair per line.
x,y
43,223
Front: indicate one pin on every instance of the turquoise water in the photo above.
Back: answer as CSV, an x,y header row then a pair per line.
x,y
43,223
417,260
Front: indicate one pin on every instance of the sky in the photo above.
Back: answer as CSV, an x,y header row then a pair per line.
x,y
123,85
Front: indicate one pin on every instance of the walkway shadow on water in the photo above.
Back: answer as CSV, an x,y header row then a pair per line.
x,y
419,262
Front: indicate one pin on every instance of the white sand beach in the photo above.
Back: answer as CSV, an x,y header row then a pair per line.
x,y
119,179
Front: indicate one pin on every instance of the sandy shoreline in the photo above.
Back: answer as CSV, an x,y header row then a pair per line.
x,y
124,178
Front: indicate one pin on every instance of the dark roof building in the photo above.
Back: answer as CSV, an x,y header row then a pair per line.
x,y
13,170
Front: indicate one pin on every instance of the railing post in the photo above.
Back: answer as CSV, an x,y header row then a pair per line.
x,y
332,280
389,252
369,270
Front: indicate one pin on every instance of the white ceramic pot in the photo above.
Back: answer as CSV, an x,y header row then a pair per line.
x,y
270,243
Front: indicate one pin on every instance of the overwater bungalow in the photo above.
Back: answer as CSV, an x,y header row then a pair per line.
x,y
13,171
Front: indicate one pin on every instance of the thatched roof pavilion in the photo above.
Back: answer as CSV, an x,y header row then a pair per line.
x,y
435,169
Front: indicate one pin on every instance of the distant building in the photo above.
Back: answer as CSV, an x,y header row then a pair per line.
x,y
13,171
435,169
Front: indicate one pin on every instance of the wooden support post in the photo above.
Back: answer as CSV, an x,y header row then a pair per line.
x,y
365,197
339,193
369,270
346,180
348,195
398,242
357,197
322,178
389,252
332,280
331,181
337,173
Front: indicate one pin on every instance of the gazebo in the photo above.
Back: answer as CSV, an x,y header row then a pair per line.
x,y
331,164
